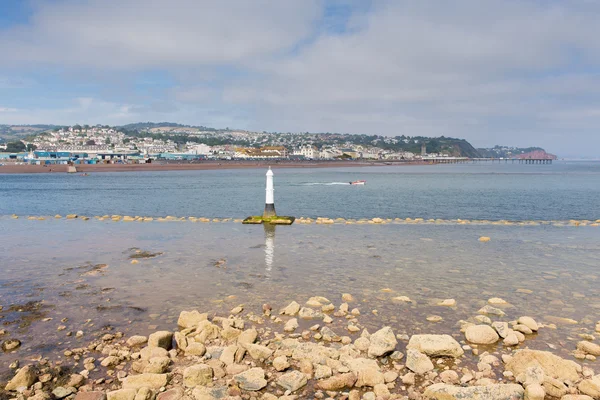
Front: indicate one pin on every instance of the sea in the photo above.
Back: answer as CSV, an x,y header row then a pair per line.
x,y
59,276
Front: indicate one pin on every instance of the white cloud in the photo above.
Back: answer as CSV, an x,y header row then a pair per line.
x,y
7,110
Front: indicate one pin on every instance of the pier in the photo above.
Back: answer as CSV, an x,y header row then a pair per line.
x,y
457,160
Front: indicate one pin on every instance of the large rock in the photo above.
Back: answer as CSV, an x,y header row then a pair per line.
x,y
481,334
190,319
382,342
258,352
197,375
553,366
176,393
24,378
252,379
529,322
436,345
589,348
292,381
442,391
502,328
144,394
248,336
214,393
152,381
367,372
291,309
162,339
95,395
591,387
137,341
123,394
576,397
418,362
338,382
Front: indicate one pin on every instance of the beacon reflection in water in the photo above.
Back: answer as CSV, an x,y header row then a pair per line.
x,y
269,248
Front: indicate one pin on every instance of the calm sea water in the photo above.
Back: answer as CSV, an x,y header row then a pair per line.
x,y
560,191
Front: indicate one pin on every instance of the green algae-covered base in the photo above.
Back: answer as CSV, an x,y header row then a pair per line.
x,y
276,220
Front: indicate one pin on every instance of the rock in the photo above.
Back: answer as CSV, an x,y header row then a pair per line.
x,y
213,393
137,341
252,379
347,298
24,378
76,380
96,395
528,322
362,344
161,339
524,329
338,382
309,313
496,301
176,393
144,394
152,381
197,375
123,394
535,392
195,349
292,381
291,309
10,345
447,303
190,319
281,363
157,365
418,362
576,397
590,387
553,366
533,375
436,345
150,352
237,310
554,387
502,328
291,325
589,348
110,361
491,311
247,337
442,391
481,334
382,342
450,377
511,339
484,239
329,335
258,352
322,371
367,372
482,319
61,392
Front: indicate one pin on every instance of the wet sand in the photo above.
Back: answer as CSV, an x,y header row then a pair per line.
x,y
204,165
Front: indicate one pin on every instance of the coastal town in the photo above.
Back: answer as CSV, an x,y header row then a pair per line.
x,y
105,144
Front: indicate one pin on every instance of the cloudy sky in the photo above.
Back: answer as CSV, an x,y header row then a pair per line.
x,y
513,72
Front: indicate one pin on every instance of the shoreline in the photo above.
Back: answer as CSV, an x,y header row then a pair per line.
x,y
199,166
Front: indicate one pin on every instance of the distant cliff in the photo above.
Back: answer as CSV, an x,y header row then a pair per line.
x,y
516,152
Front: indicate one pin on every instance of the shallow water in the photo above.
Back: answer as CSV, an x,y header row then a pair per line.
x,y
59,262
561,191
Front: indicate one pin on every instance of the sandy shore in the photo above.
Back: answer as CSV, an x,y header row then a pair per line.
x,y
204,165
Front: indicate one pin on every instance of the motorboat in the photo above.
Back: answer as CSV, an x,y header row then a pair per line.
x,y
358,182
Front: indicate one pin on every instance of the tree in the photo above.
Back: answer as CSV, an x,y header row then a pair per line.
x,y
107,141
90,142
15,147
31,147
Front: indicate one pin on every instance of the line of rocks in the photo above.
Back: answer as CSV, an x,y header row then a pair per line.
x,y
246,356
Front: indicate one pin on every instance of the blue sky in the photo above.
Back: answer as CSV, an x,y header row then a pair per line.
x,y
494,72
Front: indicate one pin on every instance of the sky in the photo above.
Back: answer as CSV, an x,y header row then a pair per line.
x,y
508,72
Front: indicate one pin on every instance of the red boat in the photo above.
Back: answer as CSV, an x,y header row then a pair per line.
x,y
358,182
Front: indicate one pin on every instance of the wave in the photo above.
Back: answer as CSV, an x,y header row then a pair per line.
x,y
325,183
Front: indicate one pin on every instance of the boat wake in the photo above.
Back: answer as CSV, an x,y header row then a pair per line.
x,y
325,183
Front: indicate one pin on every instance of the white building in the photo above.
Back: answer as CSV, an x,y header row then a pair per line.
x,y
308,151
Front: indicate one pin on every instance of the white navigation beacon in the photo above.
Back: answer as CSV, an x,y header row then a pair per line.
x,y
270,197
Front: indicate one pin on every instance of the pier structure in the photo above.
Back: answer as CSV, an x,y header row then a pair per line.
x,y
269,215
270,197
459,160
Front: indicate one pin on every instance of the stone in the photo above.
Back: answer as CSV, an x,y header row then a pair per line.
x,y
390,376
291,325
338,382
554,387
211,393
61,392
436,345
442,391
247,337
110,361
197,375
535,392
418,362
157,365
502,328
161,339
10,345
484,239
237,310
137,341
553,365
292,381
309,313
144,394
176,393
450,377
511,339
76,380
590,387
381,391
533,375
496,301
152,381
576,397
367,372
489,310
347,297
322,371
281,363
589,348
258,352
150,352
524,329
528,322
362,344
481,334
195,349
382,342
292,309
95,395
329,335
25,377
447,303
123,394
252,379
